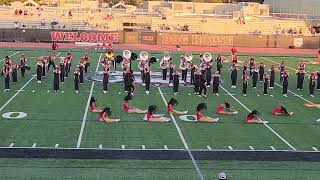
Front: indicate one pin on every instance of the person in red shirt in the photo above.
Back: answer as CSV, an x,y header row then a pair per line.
x,y
128,109
225,109
152,117
173,102
105,115
281,111
202,118
254,117
93,106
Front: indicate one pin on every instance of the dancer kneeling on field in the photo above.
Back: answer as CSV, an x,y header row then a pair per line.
x,y
254,117
225,109
152,117
202,118
281,111
105,115
174,102
93,106
128,109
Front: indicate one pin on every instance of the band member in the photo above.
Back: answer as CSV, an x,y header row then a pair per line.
x,y
6,72
312,83
203,67
225,109
197,82
234,75
272,76
56,77
255,74
235,59
233,52
318,81
252,65
105,80
50,61
219,61
265,83
300,79
176,76
69,60
86,62
152,117
172,103
81,70
245,79
281,111
164,64
131,85
208,73
285,77
44,61
216,81
23,61
193,67
203,85
261,72
171,71
14,71
126,79
76,80
254,117
67,64
202,118
62,68
128,109
93,105
141,66
184,65
147,78
301,66
245,67
282,67
54,47
105,115
39,69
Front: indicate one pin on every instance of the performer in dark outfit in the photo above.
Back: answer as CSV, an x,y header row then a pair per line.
x,y
54,47
219,61
265,83
193,67
234,75
81,70
208,73
197,82
184,65
51,61
176,76
318,78
69,58
56,77
62,68
86,62
261,72
6,72
39,69
300,79
23,61
44,61
105,80
147,78
203,85
285,84
132,87
272,76
164,64
126,79
282,69
312,83
76,80
216,81
171,71
245,67
255,74
14,71
245,79
252,65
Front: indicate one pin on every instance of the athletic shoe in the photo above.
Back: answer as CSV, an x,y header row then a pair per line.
x,y
39,82
265,94
126,91
290,113
270,87
311,95
147,92
77,92
217,94
104,92
254,88
244,95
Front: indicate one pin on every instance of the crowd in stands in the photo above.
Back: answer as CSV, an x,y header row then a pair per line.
x,y
278,30
27,12
178,27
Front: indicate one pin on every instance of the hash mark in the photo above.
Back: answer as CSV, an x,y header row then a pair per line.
x,y
273,148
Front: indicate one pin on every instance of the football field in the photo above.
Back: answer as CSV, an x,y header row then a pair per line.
x,y
34,116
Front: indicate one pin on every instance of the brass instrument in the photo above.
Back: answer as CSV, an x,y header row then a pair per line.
x,y
109,53
188,56
207,57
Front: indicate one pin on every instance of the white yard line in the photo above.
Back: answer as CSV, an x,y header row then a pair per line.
x,y
266,125
84,119
20,90
315,149
11,145
251,147
208,147
230,147
10,55
273,148
183,139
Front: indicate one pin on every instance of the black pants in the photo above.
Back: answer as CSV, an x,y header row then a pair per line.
x,y
164,74
76,85
318,83
261,76
62,74
300,84
254,81
272,81
281,78
184,75
66,71
86,66
142,76
39,75
250,71
215,88
192,77
23,71
284,87
203,88
7,82
51,63
196,87
44,70
14,75
105,82
311,88
81,76
244,87
127,87
233,80
147,85
265,88
175,87
208,77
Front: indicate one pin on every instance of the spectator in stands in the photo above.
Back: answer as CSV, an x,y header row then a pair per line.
x,y
70,14
204,20
20,11
16,12
25,12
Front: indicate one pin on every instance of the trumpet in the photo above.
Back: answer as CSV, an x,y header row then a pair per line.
x,y
188,56
207,57
126,54
109,53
